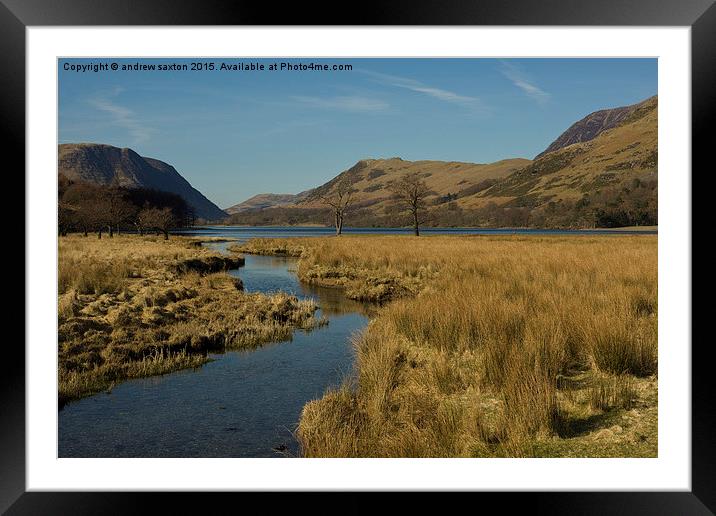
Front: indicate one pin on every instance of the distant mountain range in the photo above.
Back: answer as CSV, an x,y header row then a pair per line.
x,y
263,201
603,150
106,165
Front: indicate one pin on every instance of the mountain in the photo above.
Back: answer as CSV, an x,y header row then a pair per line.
x,y
263,201
615,156
371,177
602,171
596,123
105,164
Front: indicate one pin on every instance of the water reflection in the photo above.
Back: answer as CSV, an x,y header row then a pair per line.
x,y
243,404
269,274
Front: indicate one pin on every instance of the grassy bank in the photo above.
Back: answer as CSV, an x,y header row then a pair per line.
x,y
136,306
335,263
492,346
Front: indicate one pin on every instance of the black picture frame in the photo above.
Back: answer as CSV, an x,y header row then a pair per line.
x,y
700,15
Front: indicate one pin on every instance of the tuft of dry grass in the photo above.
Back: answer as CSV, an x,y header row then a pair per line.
x,y
139,306
91,276
269,247
608,392
480,351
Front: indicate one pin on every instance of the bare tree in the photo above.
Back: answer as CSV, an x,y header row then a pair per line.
x,y
144,219
66,216
160,219
86,207
409,193
339,199
117,208
190,216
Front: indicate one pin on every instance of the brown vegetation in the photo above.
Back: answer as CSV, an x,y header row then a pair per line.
x,y
138,306
327,264
497,346
602,203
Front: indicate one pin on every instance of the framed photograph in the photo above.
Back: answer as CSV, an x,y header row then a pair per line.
x,y
432,248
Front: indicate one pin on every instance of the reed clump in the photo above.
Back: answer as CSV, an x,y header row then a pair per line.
x,y
269,247
495,346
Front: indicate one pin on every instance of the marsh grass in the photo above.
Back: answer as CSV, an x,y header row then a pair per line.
x,y
624,345
90,276
471,357
330,264
75,384
140,306
610,392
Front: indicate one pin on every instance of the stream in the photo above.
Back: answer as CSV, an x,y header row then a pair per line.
x,y
242,404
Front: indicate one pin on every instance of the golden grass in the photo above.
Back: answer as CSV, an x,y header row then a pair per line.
x,y
139,306
365,277
494,346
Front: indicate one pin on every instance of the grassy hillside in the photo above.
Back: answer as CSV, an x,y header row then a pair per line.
x,y
262,201
596,123
609,180
615,157
371,177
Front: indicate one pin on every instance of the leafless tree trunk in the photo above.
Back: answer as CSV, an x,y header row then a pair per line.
x,y
339,199
118,209
410,192
161,219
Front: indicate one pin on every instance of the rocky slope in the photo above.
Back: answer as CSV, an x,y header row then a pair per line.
x,y
105,165
596,123
614,157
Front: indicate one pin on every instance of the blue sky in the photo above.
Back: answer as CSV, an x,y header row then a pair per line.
x,y
233,134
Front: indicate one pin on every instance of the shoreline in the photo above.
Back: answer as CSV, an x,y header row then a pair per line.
x,y
134,306
600,407
635,229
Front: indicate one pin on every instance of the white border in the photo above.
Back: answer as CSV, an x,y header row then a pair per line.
x,y
670,471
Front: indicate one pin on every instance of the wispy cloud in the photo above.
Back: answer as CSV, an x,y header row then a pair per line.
x,y
348,103
122,116
523,82
420,87
281,127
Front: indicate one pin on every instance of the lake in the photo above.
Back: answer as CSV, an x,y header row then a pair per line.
x,y
246,232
